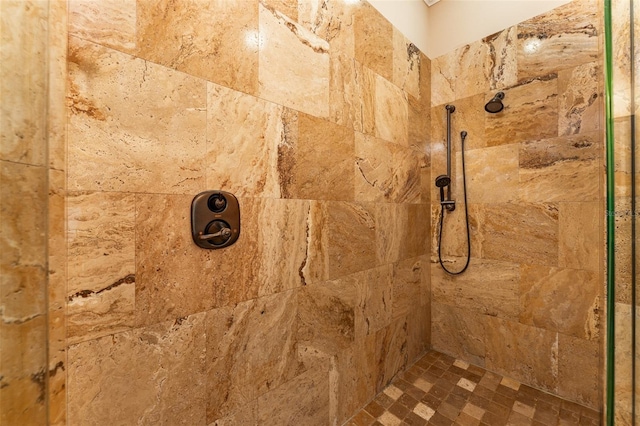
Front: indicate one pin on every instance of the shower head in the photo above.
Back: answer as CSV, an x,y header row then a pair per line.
x,y
495,105
442,181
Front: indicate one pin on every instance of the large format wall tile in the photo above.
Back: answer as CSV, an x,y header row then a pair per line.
x,y
578,235
111,23
144,139
294,65
496,165
251,348
101,265
562,300
502,64
446,323
578,370
580,100
406,64
562,38
153,375
391,113
373,41
316,159
214,40
561,169
244,134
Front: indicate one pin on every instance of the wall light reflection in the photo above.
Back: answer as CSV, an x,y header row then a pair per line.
x,y
254,40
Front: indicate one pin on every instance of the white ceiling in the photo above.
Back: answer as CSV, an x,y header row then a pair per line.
x,y
449,24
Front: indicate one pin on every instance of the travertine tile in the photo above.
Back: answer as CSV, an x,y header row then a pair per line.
x,y
488,287
471,73
318,163
288,8
24,70
578,236
530,112
373,41
622,159
419,125
622,58
386,172
24,366
351,230
418,330
244,135
501,61
153,375
332,21
352,94
562,300
218,40
294,65
250,350
623,379
111,23
578,370
406,64
526,353
245,416
492,174
561,169
446,321
562,38
407,290
579,99
101,265
303,400
391,351
453,239
521,233
352,379
391,113
443,77
144,139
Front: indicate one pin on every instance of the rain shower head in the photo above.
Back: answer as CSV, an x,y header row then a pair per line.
x,y
442,181
495,105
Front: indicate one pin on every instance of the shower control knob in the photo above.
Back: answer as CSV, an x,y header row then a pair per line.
x,y
215,219
218,232
217,203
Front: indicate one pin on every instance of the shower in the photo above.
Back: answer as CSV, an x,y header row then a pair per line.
x,y
446,203
495,105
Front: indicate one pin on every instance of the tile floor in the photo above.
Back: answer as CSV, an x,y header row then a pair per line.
x,y
441,390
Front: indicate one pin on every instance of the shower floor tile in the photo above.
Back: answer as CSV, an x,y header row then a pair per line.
x,y
443,391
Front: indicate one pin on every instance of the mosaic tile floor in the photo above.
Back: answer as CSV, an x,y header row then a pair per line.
x,y
440,390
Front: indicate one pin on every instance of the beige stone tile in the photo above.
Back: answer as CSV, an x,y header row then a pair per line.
x,y
443,77
562,38
352,94
24,70
386,172
530,112
578,370
245,416
154,374
250,349
144,139
218,40
472,75
528,354
294,65
446,321
388,419
57,359
453,239
579,240
244,135
622,58
352,379
623,383
561,169
327,314
101,264
580,100
24,366
288,8
111,23
488,287
407,290
501,63
498,166
391,351
533,240
418,331
23,241
391,113
406,64
351,230
302,400
373,36
57,74
622,159
419,125
318,163
562,300
332,21
623,243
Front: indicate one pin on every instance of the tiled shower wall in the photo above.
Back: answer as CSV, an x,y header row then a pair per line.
x,y
624,107
316,115
531,302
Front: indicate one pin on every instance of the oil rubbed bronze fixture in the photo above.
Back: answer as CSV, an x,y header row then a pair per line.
x,y
215,219
448,204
